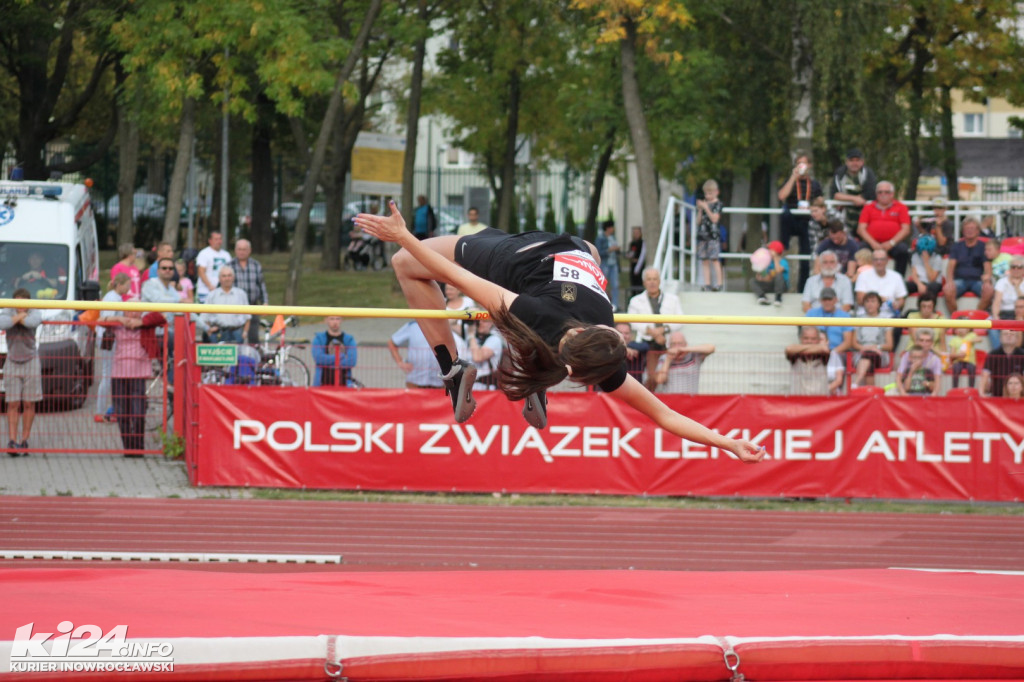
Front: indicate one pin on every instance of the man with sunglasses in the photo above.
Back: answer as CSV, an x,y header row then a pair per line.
x,y
885,224
160,289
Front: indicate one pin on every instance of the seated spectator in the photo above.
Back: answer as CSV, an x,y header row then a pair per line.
x,y
335,354
679,368
885,224
862,260
937,226
1001,363
816,370
1009,289
770,279
928,362
917,378
885,283
840,339
654,301
962,356
184,285
968,268
828,277
225,327
843,245
1000,261
873,345
485,350
926,311
35,279
1014,387
926,267
636,352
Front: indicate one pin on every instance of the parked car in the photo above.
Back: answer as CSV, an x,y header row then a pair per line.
x,y
145,206
288,215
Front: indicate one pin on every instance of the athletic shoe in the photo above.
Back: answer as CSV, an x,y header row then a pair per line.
x,y
12,449
24,447
535,411
458,383
763,300
778,303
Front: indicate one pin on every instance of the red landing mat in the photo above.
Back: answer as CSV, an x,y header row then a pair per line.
x,y
572,625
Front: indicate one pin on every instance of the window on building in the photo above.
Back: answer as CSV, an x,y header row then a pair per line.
x,y
974,124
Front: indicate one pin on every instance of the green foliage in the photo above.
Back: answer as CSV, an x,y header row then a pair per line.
x,y
570,222
550,223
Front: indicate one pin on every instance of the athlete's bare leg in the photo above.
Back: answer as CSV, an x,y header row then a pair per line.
x,y
422,292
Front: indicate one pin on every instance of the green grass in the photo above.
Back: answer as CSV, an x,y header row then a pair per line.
x,y
347,288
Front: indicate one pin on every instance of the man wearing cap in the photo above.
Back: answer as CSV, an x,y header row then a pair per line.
x,y
840,339
938,226
853,182
843,245
829,277
885,223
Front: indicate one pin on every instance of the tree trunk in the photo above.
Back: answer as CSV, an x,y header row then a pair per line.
x,y
291,292
128,163
260,229
603,162
760,178
507,197
949,161
643,151
182,159
412,117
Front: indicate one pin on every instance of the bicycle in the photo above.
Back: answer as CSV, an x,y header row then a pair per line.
x,y
279,367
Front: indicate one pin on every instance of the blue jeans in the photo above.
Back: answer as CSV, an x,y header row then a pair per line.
x,y
965,285
103,399
227,335
611,273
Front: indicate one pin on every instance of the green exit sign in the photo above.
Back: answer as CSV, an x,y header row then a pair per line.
x,y
216,354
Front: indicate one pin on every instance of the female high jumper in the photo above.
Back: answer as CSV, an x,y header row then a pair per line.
x,y
545,293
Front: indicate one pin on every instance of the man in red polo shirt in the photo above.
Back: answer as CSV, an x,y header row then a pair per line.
x,y
884,224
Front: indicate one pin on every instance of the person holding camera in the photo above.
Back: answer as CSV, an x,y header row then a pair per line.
x,y
797,193
654,301
335,354
485,349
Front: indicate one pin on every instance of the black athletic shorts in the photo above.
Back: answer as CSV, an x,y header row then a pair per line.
x,y
503,258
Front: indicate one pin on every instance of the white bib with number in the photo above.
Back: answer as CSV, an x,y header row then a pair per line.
x,y
579,267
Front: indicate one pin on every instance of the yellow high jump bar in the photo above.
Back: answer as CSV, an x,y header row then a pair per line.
x,y
404,313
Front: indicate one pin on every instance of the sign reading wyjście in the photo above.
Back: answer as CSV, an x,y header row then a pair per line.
x,y
216,354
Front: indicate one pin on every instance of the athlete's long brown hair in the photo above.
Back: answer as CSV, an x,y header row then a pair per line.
x,y
594,354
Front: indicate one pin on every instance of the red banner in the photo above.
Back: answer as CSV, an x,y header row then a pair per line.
x,y
888,447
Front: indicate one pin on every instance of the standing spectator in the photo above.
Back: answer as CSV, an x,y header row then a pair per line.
x,y
637,261
926,311
636,352
472,224
709,214
968,269
799,190
885,223
840,339
884,282
208,264
926,265
420,366
1014,387
609,250
772,278
873,344
485,349
186,289
225,327
829,276
23,375
163,250
132,368
335,354
116,291
843,245
929,361
160,289
938,226
679,368
424,220
816,370
126,264
456,300
962,355
854,183
654,301
1001,363
917,378
249,278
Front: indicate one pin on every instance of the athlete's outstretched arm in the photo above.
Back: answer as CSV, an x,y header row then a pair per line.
x,y
392,228
633,393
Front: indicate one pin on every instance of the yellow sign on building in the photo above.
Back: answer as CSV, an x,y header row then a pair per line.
x,y
377,162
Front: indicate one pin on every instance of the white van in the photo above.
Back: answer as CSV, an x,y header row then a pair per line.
x,y
48,246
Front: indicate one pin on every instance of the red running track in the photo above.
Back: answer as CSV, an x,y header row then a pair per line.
x,y
417,537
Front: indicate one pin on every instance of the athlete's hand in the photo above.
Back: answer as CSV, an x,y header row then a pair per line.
x,y
389,228
748,452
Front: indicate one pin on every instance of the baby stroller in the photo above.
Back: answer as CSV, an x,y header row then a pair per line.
x,y
365,251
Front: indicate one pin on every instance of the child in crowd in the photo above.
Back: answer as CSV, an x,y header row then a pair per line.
x,y
1000,261
961,353
22,372
184,285
863,258
774,278
918,379
709,245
